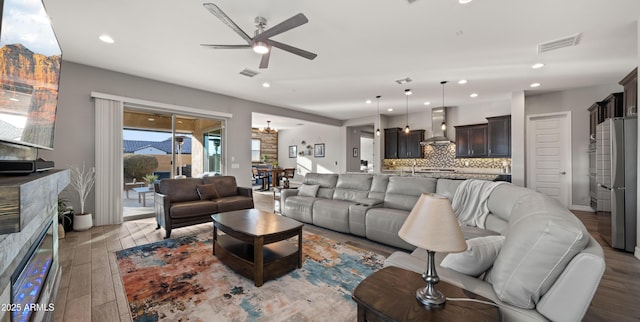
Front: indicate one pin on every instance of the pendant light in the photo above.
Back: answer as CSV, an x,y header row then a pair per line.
x,y
443,126
407,92
378,130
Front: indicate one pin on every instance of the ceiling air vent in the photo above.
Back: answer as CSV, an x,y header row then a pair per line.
x,y
559,43
248,72
403,81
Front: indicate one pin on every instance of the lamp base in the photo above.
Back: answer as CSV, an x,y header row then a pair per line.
x,y
430,296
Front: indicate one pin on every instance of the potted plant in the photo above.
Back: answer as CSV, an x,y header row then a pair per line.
x,y
150,179
82,180
65,214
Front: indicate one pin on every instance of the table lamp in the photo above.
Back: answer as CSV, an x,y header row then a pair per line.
x,y
432,225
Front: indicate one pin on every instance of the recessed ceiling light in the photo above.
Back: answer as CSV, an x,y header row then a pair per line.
x,y
368,101
389,110
537,65
427,103
462,81
106,39
473,95
464,1
266,85
13,99
535,84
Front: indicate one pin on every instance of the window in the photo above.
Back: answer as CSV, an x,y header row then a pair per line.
x,y
255,150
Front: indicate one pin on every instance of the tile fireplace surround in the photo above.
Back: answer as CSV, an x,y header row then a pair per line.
x,y
38,196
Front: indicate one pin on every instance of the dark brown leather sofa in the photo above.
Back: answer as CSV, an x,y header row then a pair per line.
x,y
191,201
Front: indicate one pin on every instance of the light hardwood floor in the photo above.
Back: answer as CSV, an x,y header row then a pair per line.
x,y
91,288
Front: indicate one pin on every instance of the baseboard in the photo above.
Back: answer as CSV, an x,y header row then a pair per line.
x,y
581,208
637,253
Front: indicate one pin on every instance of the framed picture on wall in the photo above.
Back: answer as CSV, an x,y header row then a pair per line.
x,y
355,152
293,151
318,150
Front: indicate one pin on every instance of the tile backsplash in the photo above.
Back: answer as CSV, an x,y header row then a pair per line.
x,y
444,157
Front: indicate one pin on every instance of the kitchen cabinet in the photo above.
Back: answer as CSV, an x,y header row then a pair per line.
x,y
391,143
409,144
471,141
630,96
613,106
399,145
499,136
595,118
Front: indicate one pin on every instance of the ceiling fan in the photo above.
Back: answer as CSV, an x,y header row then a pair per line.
x,y
261,41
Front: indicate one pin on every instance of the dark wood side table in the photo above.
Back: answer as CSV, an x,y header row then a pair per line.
x,y
255,243
390,295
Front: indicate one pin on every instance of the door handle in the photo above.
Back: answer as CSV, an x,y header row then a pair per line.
x,y
563,172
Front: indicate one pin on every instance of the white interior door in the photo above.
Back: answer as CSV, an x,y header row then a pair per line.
x,y
549,155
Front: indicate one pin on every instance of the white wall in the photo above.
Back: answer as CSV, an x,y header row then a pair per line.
x,y
75,135
577,101
332,136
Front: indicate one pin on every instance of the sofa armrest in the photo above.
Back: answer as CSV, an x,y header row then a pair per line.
x,y
571,294
162,207
284,194
242,191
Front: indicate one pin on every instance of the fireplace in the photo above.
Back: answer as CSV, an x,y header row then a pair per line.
x,y
29,265
29,279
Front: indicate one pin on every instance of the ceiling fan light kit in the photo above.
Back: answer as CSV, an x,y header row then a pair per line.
x,y
261,43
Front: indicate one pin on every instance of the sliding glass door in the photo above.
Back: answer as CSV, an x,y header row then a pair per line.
x,y
165,145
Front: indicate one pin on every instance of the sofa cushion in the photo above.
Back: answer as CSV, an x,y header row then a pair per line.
x,y
234,203
479,257
180,190
308,190
332,214
193,209
379,186
447,187
383,224
225,185
403,192
352,186
300,208
541,239
325,180
207,191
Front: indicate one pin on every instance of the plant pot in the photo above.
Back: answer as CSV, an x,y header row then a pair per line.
x,y
60,231
82,222
67,222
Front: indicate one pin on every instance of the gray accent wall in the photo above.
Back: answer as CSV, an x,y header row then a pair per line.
x,y
75,135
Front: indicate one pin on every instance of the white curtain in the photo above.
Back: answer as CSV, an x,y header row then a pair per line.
x,y
108,148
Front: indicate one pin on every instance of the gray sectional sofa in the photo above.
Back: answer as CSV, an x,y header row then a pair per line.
x,y
548,267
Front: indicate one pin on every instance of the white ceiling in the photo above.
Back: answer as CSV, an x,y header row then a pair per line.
x,y
363,46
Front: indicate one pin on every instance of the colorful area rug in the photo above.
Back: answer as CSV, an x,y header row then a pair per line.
x,y
180,280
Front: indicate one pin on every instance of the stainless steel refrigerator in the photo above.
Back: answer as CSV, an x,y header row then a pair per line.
x,y
616,172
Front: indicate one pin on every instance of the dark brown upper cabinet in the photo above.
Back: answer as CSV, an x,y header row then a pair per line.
x,y
499,136
400,145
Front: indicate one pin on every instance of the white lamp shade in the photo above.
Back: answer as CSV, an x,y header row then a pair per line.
x,y
432,225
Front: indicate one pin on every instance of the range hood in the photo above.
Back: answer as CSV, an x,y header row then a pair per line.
x,y
438,117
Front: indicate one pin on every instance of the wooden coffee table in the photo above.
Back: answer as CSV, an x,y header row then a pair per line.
x,y
390,295
255,245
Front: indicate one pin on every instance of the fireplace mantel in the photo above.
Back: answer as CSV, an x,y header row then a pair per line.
x,y
37,201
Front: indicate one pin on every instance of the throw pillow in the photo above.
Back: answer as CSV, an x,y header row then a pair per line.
x,y
207,191
308,190
479,257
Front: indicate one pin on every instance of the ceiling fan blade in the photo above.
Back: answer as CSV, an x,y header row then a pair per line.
x,y
225,46
286,25
293,50
226,20
264,61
